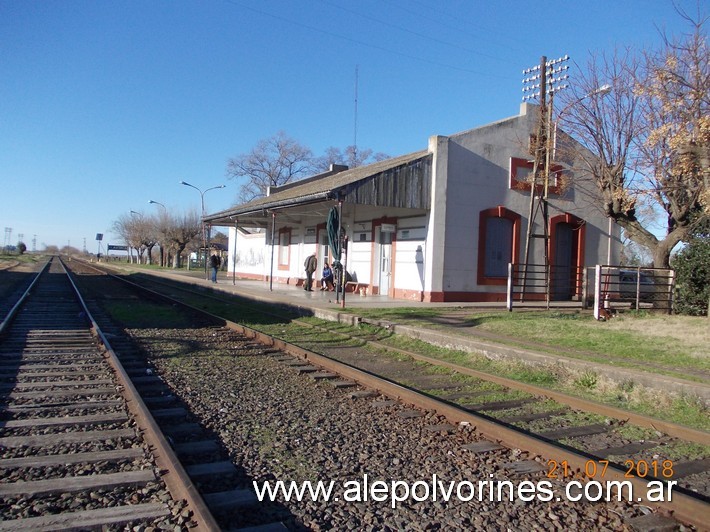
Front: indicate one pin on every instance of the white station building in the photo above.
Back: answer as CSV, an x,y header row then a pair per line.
x,y
437,225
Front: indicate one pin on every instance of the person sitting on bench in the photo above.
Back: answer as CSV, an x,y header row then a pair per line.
x,y
327,278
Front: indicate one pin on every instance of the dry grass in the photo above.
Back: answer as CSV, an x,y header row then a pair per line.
x,y
691,333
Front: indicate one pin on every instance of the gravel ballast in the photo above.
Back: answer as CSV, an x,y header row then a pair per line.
x,y
279,425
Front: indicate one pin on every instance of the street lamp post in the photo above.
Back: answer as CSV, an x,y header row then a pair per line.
x,y
604,89
599,91
202,218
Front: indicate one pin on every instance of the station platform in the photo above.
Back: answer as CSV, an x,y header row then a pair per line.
x,y
297,296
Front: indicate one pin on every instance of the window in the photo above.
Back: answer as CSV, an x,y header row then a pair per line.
x,y
498,243
521,171
284,247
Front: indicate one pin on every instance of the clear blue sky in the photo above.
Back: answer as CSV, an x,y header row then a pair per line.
x,y
105,105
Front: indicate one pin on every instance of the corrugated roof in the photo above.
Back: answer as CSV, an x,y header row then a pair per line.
x,y
313,190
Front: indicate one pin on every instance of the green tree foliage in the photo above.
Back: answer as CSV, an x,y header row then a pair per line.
x,y
21,247
692,266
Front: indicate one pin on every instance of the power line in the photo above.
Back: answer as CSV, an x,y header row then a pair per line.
x,y
363,43
412,32
355,125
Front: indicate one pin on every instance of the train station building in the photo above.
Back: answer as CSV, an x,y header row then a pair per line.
x,y
437,225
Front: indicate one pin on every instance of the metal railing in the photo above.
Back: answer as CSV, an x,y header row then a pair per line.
x,y
548,284
634,288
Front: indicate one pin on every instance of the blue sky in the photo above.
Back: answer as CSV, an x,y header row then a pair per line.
x,y
105,105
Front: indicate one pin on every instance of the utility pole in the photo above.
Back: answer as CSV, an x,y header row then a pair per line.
x,y
8,239
547,84
355,118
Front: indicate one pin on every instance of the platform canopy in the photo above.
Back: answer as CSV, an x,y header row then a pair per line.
x,y
400,184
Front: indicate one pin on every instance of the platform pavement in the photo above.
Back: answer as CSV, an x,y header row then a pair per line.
x,y
323,304
296,295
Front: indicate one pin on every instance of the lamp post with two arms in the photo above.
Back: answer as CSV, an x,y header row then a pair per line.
x,y
202,217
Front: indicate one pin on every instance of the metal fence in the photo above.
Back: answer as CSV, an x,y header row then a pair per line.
x,y
548,284
605,288
617,287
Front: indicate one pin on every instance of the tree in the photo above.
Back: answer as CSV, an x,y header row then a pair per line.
x,y
131,228
280,159
162,228
692,266
181,231
220,238
69,250
272,162
647,140
21,247
352,157
633,254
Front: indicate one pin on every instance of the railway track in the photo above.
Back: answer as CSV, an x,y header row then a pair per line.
x,y
586,447
75,450
16,277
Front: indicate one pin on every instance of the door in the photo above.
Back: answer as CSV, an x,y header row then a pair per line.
x,y
323,251
384,242
562,279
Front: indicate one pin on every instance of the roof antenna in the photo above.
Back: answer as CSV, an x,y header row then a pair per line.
x,y
355,126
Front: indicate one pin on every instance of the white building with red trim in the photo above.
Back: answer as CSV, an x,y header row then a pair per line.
x,y
437,225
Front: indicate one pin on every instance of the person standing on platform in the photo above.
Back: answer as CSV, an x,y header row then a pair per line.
x,y
311,264
215,262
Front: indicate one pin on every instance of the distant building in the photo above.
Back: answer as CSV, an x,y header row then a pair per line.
x,y
437,225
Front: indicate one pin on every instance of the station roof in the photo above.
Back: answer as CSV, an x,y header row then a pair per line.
x,y
312,197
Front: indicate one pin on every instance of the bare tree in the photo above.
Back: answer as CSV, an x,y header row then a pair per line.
x,y
138,231
272,162
350,156
647,138
220,238
163,223
124,227
182,230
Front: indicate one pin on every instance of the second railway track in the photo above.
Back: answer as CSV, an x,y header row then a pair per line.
x,y
71,454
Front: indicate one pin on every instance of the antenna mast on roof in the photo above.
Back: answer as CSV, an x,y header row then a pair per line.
x,y
355,121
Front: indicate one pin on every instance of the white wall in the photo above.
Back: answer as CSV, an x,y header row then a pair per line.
x,y
410,254
478,164
252,255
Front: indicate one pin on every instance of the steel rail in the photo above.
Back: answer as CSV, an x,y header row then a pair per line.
x,y
173,473
685,507
680,431
16,307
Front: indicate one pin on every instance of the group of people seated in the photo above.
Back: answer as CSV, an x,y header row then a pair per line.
x,y
326,281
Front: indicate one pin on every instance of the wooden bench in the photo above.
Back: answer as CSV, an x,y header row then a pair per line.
x,y
353,286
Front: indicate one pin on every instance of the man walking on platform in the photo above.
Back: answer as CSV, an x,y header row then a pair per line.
x,y
311,264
